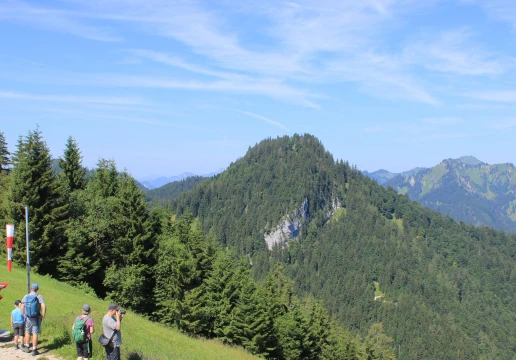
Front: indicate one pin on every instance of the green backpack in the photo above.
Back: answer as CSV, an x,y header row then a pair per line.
x,y
78,333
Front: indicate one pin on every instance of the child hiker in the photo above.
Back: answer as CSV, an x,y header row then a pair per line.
x,y
18,324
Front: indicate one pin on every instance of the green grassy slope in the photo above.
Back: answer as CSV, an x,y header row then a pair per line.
x,y
64,302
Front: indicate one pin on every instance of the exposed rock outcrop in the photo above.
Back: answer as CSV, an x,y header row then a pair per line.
x,y
289,227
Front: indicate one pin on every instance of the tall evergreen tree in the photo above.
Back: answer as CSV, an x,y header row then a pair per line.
x,y
79,264
5,160
183,260
378,345
72,172
34,184
253,322
132,250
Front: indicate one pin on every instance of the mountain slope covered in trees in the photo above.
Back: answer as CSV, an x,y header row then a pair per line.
x,y
173,189
98,234
443,289
466,189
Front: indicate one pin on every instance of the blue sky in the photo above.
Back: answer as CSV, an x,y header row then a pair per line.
x,y
164,87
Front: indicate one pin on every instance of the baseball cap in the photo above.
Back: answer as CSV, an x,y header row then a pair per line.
x,y
113,306
35,286
86,308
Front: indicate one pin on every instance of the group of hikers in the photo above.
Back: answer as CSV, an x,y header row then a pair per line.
x,y
28,314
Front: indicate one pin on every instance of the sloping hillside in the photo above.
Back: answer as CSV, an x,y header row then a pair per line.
x,y
467,190
150,340
448,288
173,189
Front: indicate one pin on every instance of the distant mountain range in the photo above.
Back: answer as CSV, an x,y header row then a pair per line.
x,y
466,189
163,180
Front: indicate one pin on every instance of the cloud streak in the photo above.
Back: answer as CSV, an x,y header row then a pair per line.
x,y
72,99
263,118
302,45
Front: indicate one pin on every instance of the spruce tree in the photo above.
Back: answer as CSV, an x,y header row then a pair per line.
x,y
132,250
4,154
378,345
183,260
96,224
72,173
253,322
4,163
34,184
79,264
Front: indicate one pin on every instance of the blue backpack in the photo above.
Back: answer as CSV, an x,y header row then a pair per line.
x,y
31,306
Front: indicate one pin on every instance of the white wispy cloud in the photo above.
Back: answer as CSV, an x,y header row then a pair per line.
x,y
452,52
299,34
55,20
502,10
263,118
72,99
307,44
508,96
504,124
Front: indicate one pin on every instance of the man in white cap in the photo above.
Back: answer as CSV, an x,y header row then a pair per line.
x,y
34,309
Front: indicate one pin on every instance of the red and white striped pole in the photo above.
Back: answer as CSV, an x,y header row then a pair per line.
x,y
9,229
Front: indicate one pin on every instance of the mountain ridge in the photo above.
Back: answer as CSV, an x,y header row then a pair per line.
x,y
467,189
151,184
430,268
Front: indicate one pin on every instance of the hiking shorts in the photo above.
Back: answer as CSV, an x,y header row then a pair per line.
x,y
33,325
84,349
18,329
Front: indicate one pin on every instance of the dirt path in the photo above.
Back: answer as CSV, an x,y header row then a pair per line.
x,y
7,352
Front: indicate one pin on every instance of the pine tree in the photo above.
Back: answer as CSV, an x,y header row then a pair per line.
x,y
291,332
72,173
79,264
4,154
102,219
183,260
253,322
340,345
378,345
318,325
34,184
132,251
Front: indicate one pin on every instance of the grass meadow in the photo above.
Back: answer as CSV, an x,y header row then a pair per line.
x,y
152,341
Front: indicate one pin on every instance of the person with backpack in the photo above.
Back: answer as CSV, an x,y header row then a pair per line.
x,y
17,323
34,310
82,329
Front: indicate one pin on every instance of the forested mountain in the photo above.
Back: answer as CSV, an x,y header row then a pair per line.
x,y
164,180
441,289
97,233
173,189
466,189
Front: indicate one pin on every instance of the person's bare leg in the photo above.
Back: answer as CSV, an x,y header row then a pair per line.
x,y
27,339
34,341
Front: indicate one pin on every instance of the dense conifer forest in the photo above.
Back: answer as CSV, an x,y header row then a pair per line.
x,y
443,289
172,189
99,234
369,275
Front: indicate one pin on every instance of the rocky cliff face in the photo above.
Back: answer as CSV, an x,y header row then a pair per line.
x,y
290,226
